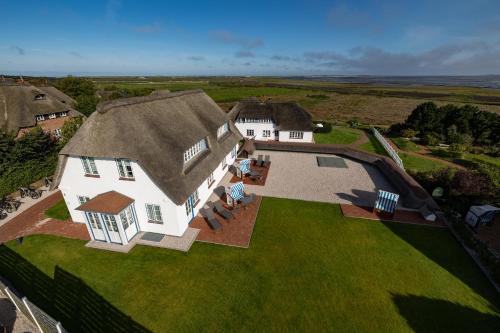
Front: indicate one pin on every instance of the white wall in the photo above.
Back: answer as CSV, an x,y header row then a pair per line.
x,y
285,137
143,190
258,128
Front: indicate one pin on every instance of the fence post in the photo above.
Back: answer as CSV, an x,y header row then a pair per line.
x,y
11,298
24,299
59,327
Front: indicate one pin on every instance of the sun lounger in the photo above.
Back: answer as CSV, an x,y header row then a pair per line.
x,y
210,218
260,161
266,161
248,200
219,209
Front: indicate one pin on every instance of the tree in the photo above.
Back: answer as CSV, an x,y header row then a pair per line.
x,y
34,145
69,129
76,87
86,104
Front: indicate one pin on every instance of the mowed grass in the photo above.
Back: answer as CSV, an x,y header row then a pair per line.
x,y
307,269
338,135
417,163
405,144
373,146
59,211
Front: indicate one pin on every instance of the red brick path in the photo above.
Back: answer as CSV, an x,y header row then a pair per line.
x,y
402,216
236,232
32,221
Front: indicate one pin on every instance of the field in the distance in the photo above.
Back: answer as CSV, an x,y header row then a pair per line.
x,y
375,105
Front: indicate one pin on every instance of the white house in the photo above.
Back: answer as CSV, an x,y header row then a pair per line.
x,y
278,121
146,164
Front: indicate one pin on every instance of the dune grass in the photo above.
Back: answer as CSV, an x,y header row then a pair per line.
x,y
307,269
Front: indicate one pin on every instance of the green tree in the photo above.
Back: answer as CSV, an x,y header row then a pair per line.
x,y
75,87
69,129
34,145
86,104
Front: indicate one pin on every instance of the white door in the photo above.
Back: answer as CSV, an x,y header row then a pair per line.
x,y
112,228
95,226
128,222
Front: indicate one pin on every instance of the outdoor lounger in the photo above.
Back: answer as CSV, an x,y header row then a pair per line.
x,y
210,218
245,169
248,200
219,209
266,161
260,161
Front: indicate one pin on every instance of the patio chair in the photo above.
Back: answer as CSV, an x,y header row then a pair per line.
x,y
386,202
248,200
260,161
219,209
267,161
237,191
245,166
210,218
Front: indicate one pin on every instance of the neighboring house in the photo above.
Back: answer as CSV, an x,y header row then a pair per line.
x,y
23,107
264,121
59,95
146,164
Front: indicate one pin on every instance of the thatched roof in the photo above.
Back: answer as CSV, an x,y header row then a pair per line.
x,y
287,116
19,106
59,95
155,131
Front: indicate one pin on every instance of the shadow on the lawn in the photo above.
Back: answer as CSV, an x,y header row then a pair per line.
x,y
425,314
65,297
440,247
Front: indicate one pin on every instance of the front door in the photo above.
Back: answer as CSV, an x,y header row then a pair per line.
x,y
276,135
95,226
129,223
112,228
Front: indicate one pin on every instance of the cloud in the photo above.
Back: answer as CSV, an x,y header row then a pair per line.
x,y
467,58
227,37
423,34
196,58
149,28
281,58
19,50
244,54
76,54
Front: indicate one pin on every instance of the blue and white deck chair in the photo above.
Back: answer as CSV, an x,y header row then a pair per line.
x,y
237,191
386,202
245,166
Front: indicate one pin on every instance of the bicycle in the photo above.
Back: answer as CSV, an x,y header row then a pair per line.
x,y
29,192
9,204
3,214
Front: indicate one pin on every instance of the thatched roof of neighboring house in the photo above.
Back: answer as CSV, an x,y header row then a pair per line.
x,y
19,106
155,131
287,116
59,95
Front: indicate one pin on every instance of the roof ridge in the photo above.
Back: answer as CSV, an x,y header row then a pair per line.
x,y
108,105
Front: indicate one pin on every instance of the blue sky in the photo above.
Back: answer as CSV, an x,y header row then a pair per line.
x,y
250,37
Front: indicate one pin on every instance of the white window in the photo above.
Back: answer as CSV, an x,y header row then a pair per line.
x,y
124,168
126,217
39,97
222,130
110,222
57,132
40,117
210,180
52,116
195,150
191,202
82,199
94,220
224,163
233,152
89,165
266,133
250,132
154,214
296,135
63,114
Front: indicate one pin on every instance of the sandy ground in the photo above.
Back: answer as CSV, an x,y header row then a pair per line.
x,y
16,322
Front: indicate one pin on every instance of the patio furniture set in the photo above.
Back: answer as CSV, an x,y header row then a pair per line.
x,y
244,168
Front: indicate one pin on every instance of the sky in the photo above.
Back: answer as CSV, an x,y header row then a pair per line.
x,y
313,37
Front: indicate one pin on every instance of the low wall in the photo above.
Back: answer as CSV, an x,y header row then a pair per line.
x,y
411,193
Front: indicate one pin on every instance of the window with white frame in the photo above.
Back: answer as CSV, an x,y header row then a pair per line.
x,y
127,217
266,133
124,168
250,132
63,114
296,135
52,116
222,130
57,132
40,117
154,214
210,180
89,165
199,147
224,163
191,202
233,152
94,220
82,199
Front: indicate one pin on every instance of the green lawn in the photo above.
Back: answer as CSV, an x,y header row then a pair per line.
x,y
307,269
373,146
417,163
405,144
59,211
338,135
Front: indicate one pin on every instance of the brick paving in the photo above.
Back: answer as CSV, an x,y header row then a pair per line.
x,y
33,221
248,181
235,232
401,216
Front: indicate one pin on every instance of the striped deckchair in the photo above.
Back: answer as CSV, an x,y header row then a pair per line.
x,y
245,166
237,191
386,202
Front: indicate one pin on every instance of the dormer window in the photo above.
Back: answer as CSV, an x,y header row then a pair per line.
x,y
40,117
222,130
63,114
52,116
199,147
39,97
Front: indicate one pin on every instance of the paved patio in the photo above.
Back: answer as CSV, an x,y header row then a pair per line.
x,y
298,176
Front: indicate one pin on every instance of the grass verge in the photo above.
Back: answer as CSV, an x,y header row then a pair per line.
x,y
59,211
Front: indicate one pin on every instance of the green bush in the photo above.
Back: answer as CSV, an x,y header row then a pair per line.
x,y
408,133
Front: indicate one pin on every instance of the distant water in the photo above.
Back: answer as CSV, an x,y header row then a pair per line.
x,y
482,81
